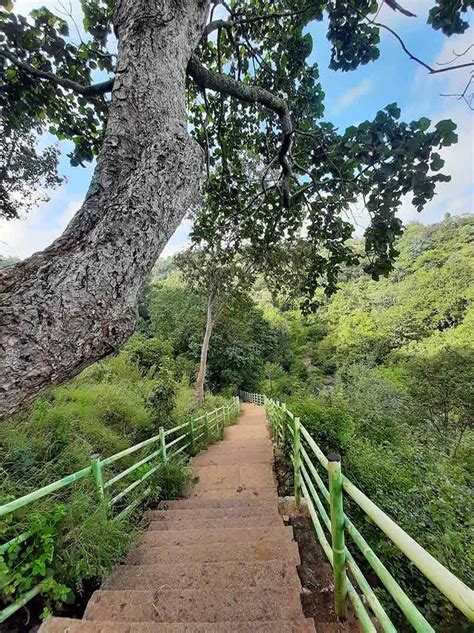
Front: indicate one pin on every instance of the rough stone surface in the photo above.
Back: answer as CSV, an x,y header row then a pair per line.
x,y
196,605
223,523
221,561
65,625
269,574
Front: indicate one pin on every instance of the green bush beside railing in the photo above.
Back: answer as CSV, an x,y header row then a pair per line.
x,y
287,430
185,438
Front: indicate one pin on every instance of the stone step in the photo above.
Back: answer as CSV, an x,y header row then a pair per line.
x,y
162,538
248,432
231,502
242,451
200,605
67,625
224,459
264,520
236,475
210,513
215,553
238,492
229,443
183,575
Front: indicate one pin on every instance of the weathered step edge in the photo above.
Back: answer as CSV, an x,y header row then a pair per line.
x,y
66,625
201,605
268,574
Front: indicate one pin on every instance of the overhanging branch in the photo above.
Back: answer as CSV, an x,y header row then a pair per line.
x,y
225,84
429,68
94,90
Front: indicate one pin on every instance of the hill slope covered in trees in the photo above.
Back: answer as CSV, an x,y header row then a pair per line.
x,y
382,373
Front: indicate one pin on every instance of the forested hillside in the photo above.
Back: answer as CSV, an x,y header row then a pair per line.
x,y
381,373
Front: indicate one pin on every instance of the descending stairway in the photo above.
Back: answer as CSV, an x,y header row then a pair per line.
x,y
221,561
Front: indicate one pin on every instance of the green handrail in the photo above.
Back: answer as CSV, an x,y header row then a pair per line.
x,y
457,592
96,471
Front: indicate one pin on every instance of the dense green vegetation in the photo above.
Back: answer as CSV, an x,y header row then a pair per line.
x,y
381,373
111,406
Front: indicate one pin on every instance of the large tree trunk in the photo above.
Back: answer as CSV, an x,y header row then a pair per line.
x,y
204,351
75,302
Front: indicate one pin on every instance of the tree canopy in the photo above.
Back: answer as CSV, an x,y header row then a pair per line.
x,y
277,169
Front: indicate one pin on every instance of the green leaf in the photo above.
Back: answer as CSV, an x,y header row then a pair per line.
x,y
393,110
424,123
437,162
446,125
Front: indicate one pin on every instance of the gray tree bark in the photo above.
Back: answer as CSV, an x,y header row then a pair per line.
x,y
201,377
75,302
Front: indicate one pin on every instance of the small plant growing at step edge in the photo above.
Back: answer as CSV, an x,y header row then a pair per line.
x,y
24,565
173,478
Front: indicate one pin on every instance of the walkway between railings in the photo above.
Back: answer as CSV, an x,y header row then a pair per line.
x,y
221,561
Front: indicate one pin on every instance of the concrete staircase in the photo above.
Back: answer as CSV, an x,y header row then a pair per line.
x,y
221,561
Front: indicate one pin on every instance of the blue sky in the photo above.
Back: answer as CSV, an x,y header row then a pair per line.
x,y
350,98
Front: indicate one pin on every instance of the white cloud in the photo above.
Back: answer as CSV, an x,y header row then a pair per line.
x,y
352,95
392,18
21,238
179,240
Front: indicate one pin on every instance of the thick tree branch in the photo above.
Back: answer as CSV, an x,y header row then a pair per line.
x,y
251,94
95,90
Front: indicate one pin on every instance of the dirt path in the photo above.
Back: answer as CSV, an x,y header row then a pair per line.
x,y
221,561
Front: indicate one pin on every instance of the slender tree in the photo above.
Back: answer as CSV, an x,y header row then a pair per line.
x,y
223,284
249,85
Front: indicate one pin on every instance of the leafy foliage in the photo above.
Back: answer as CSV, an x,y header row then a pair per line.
x,y
382,374
266,185
25,174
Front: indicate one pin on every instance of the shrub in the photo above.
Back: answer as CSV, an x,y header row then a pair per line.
x,y
173,478
148,353
331,426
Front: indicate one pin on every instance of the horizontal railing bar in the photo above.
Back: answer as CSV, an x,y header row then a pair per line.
x,y
200,435
359,608
132,486
21,538
129,451
314,447
176,440
451,586
174,429
126,472
22,600
314,472
414,616
131,506
374,603
180,450
42,492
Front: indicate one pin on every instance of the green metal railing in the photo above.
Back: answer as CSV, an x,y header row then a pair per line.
x,y
347,574
183,438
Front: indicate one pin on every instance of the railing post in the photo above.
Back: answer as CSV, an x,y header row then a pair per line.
x,y
283,424
164,457
96,469
297,462
191,435
337,534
